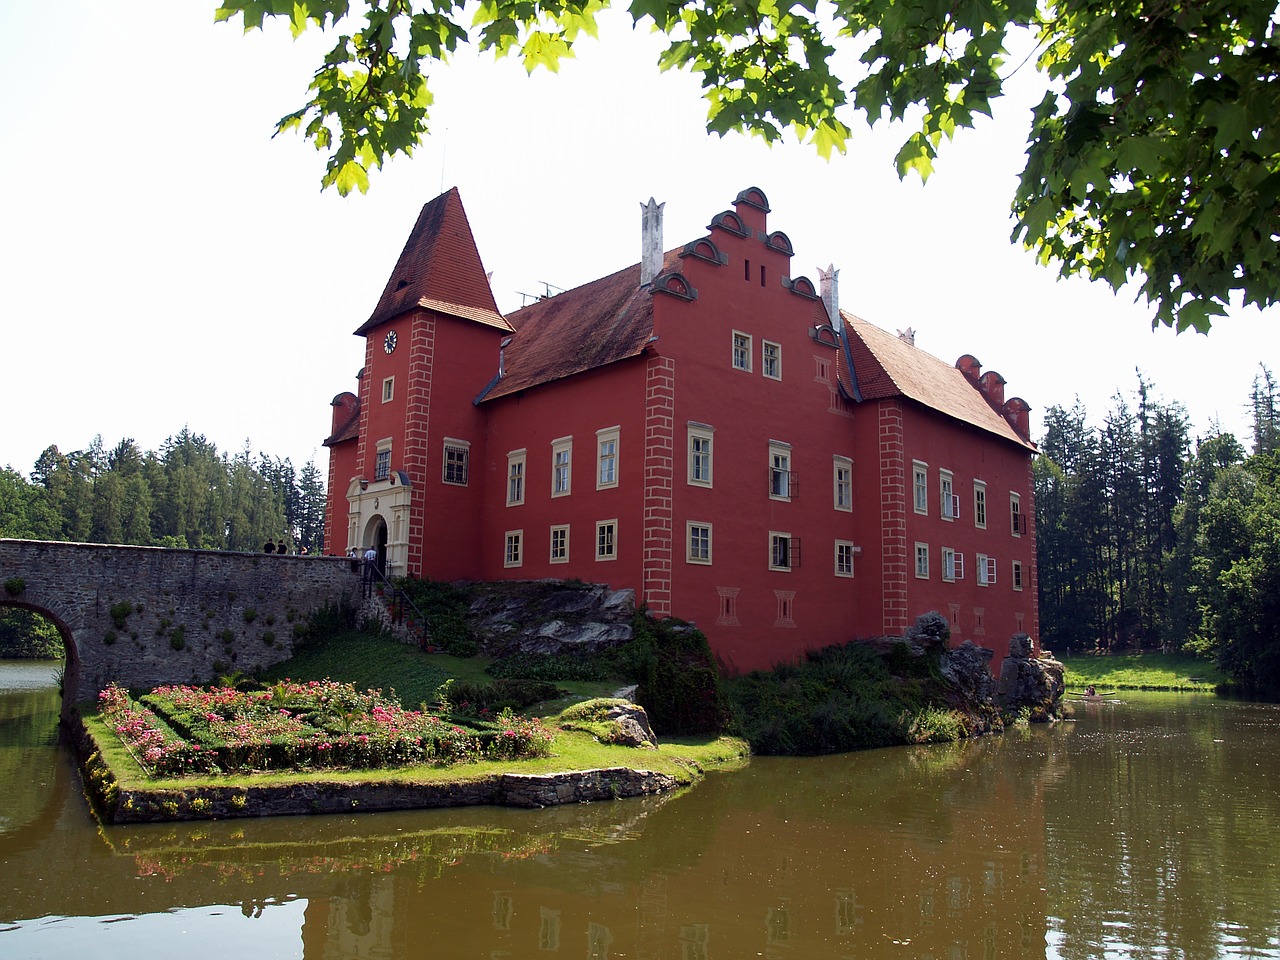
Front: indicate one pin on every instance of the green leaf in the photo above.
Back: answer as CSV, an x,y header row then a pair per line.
x,y
916,154
352,176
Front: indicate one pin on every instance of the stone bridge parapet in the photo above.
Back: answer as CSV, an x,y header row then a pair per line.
x,y
142,616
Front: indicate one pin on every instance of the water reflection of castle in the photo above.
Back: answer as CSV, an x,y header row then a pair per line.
x,y
821,866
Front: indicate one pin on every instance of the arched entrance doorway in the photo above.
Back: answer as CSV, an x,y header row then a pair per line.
x,y
375,535
378,517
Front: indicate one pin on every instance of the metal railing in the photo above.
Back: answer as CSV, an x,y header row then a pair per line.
x,y
399,604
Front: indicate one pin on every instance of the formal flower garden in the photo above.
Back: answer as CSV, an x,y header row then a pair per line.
x,y
176,731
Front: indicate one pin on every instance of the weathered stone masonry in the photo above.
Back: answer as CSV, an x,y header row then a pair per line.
x,y
142,616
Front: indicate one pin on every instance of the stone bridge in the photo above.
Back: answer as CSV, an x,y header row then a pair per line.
x,y
143,616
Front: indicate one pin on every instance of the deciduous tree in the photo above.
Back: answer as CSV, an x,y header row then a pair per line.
x,y
1152,156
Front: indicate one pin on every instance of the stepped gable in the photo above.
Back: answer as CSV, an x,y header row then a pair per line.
x,y
887,366
440,269
590,326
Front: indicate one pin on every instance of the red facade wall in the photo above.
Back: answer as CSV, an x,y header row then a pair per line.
x,y
988,614
576,407
754,615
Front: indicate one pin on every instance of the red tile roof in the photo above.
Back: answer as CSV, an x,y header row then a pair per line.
x,y
598,323
439,268
888,366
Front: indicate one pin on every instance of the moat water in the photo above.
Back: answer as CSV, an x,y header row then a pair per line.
x,y
1145,828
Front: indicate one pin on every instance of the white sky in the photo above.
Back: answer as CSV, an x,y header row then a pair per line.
x,y
164,262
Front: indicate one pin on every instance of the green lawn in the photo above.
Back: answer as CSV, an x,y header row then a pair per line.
x,y
375,662
372,662
1142,671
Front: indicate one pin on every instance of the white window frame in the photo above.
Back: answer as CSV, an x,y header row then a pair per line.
x,y
607,449
986,570
388,389
607,547
1015,513
920,486
517,460
740,351
701,434
563,530
922,561
702,555
1016,574
842,488
382,459
952,565
844,549
513,550
776,551
949,503
980,504
562,467
767,361
781,476
461,449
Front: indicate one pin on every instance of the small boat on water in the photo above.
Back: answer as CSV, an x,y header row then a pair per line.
x,y
1094,697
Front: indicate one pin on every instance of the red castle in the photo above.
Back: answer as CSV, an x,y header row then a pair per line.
x,y
702,427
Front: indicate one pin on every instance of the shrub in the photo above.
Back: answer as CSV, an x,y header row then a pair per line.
x,y
445,608
840,698
14,586
551,667
679,682
479,699
120,613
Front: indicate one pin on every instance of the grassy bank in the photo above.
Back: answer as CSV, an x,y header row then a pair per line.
x,y
378,662
683,758
1143,671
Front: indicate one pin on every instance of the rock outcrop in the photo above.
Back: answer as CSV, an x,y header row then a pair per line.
x,y
550,616
1025,682
1033,684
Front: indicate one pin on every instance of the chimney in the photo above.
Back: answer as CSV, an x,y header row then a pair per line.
x,y
650,241
502,356
829,287
908,336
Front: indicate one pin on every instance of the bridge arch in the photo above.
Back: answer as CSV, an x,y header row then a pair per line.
x,y
142,616
56,614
